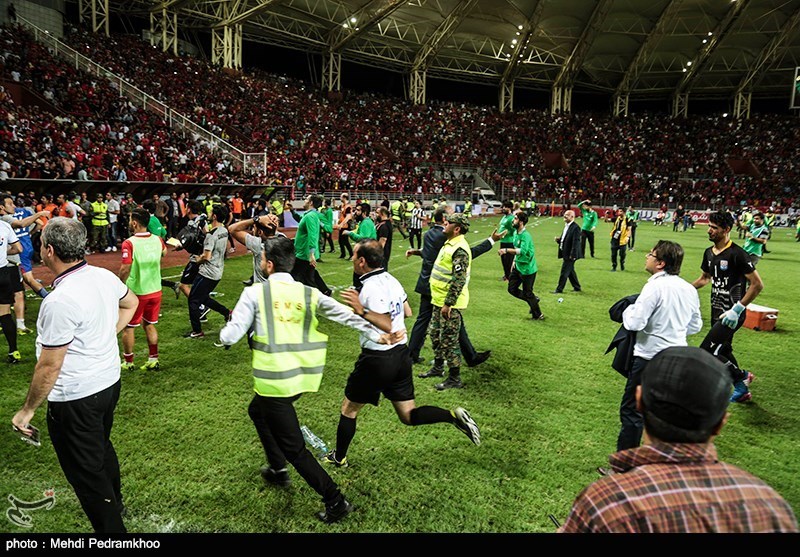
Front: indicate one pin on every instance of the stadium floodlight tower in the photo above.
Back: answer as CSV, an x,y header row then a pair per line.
x,y
95,11
768,57
562,86
512,69
361,21
428,50
680,98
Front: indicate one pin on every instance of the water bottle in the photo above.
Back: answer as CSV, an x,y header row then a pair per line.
x,y
315,444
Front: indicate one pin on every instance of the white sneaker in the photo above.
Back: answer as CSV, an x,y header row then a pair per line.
x,y
114,248
108,249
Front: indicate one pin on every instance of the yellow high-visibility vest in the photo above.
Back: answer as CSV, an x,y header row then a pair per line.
x,y
288,351
442,273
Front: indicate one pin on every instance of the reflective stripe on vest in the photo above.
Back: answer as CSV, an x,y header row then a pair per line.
x,y
99,216
288,351
442,273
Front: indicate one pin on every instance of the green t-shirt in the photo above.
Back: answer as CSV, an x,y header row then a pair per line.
x,y
154,226
326,219
589,219
366,229
632,216
306,241
526,258
752,247
506,224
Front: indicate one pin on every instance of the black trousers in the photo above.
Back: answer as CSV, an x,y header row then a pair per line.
x,y
199,299
344,246
568,272
415,233
303,272
507,259
632,422
325,237
719,343
420,331
587,235
521,286
278,429
622,250
632,239
81,434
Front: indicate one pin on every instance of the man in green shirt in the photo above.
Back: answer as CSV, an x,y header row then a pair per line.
x,y
154,227
306,245
365,227
633,218
757,235
589,224
326,222
506,230
364,230
523,273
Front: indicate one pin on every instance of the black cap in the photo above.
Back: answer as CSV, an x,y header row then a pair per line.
x,y
686,388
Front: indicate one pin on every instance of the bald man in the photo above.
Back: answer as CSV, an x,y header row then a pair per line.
x,y
569,251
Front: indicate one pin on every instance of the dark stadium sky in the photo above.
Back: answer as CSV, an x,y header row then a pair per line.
x,y
366,78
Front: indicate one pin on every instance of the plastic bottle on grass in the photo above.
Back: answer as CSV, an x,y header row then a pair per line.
x,y
315,444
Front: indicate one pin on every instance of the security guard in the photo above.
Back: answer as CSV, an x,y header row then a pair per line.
x,y
467,208
398,215
449,295
100,224
288,359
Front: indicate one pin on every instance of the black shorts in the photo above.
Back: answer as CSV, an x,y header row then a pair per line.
x,y
190,272
10,282
16,281
376,372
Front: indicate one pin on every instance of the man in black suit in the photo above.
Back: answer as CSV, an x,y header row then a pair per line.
x,y
569,251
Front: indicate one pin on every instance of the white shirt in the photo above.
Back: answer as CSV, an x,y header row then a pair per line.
x,y
90,335
665,313
7,237
245,314
112,205
382,293
564,233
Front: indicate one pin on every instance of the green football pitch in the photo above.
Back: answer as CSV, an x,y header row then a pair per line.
x,y
546,402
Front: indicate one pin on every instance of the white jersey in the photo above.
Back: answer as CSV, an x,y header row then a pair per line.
x,y
7,237
382,293
91,363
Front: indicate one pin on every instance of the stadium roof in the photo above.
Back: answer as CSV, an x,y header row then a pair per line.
x,y
646,48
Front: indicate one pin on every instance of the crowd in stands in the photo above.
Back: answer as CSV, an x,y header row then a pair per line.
x,y
93,134
367,141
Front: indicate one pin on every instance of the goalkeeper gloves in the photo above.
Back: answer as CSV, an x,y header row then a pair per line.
x,y
731,317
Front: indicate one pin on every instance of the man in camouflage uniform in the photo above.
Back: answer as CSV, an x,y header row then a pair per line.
x,y
449,296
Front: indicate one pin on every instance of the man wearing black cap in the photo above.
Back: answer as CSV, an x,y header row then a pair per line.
x,y
674,482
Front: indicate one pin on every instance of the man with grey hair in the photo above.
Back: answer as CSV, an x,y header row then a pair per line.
x,y
569,251
78,371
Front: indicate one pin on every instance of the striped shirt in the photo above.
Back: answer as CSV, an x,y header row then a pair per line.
x,y
678,487
416,218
